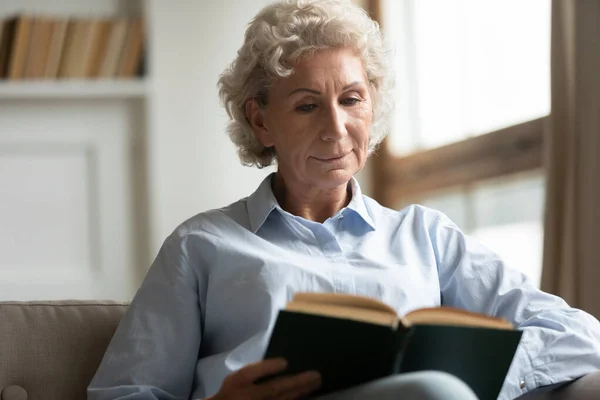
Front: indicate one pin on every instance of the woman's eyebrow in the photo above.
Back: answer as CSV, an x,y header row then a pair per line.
x,y
304,90
313,91
348,86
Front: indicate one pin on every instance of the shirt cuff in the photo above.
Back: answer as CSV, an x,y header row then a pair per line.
x,y
521,377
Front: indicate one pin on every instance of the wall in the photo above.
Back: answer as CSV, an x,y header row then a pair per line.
x,y
193,164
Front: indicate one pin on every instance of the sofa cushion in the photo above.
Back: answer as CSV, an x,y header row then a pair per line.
x,y
51,350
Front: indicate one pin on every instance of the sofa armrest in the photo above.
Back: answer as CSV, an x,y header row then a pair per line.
x,y
585,388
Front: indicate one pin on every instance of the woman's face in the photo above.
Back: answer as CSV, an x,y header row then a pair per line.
x,y
318,120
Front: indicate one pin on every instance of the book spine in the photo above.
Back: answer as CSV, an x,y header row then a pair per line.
x,y
69,50
132,53
20,48
82,48
41,35
114,49
97,48
55,51
7,32
403,335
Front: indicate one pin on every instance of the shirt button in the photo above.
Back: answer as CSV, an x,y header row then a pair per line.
x,y
522,384
338,286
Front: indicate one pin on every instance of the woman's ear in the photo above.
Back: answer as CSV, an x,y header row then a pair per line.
x,y
256,117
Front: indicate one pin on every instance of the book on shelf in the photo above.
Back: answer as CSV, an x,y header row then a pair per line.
x,y
55,49
37,54
352,340
19,48
6,39
97,47
132,51
50,47
72,61
109,65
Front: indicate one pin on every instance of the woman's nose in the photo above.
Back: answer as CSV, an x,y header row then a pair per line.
x,y
334,125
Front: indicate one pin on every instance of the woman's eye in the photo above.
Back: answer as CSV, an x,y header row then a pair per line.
x,y
306,107
350,101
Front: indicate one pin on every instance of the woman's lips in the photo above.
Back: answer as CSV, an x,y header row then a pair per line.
x,y
331,158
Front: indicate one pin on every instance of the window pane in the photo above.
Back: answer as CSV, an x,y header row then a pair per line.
x,y
466,67
508,215
454,203
520,245
505,214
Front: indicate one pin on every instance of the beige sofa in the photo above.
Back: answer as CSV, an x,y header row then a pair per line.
x,y
50,351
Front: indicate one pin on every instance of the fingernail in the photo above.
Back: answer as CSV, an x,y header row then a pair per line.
x,y
282,363
313,376
316,381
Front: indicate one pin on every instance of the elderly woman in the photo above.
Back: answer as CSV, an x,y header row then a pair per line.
x,y
310,91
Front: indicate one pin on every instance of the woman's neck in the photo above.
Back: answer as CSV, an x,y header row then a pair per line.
x,y
311,203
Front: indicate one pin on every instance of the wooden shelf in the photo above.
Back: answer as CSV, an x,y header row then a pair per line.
x,y
73,89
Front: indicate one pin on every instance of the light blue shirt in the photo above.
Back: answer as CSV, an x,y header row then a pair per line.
x,y
210,299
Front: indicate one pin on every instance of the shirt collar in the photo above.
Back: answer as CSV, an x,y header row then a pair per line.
x,y
262,202
357,204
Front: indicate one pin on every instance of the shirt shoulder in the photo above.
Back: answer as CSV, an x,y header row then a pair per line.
x,y
414,216
198,241
216,222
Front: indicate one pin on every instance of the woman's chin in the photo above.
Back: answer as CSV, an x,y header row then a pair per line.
x,y
333,178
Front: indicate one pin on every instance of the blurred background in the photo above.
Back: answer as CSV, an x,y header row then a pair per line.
x,y
111,130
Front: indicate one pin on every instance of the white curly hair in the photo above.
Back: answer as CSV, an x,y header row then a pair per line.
x,y
280,34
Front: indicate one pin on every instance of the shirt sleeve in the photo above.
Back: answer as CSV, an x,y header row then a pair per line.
x,y
559,343
154,351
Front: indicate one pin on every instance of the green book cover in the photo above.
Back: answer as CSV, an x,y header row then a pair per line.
x,y
349,352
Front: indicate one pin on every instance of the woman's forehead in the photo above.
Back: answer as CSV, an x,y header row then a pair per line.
x,y
338,68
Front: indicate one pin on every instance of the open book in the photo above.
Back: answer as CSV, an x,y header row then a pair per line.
x,y
352,340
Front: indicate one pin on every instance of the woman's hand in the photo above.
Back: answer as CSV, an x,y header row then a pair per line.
x,y
240,384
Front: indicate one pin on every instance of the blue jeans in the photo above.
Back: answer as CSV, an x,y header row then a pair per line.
x,y
427,385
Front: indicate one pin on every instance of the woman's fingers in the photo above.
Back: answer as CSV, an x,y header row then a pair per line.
x,y
302,391
252,372
289,387
294,386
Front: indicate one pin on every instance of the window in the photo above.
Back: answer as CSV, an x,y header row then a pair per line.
x,y
473,88
466,67
505,214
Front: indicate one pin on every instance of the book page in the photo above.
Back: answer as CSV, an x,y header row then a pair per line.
x,y
337,311
346,300
454,316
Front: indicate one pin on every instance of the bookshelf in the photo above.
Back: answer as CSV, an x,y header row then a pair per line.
x,y
73,163
73,89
